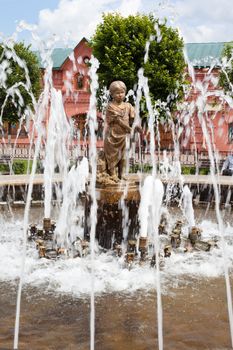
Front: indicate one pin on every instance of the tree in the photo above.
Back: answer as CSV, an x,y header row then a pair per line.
x,y
19,81
226,75
119,44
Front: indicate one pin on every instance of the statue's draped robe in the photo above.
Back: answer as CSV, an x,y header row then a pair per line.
x,y
118,121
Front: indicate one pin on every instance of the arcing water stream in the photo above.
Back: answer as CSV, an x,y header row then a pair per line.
x,y
103,272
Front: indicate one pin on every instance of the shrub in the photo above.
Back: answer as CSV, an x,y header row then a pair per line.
x,y
204,171
185,170
4,169
193,170
144,168
188,170
19,167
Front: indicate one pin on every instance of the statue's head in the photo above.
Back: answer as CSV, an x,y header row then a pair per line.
x,y
116,85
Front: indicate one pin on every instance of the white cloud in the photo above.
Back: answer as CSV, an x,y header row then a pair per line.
x,y
198,21
207,10
129,7
205,33
74,19
205,20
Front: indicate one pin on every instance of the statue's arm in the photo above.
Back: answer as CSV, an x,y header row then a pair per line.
x,y
114,118
126,127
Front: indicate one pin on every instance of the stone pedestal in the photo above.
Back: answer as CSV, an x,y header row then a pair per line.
x,y
113,202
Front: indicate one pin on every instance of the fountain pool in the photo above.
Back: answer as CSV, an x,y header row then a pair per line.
x,y
56,307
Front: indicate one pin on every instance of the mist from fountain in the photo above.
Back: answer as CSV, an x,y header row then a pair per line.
x,y
149,217
209,138
41,109
92,122
75,180
57,142
13,92
58,139
71,214
187,206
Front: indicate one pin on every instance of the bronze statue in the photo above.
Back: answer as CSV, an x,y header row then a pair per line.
x,y
119,119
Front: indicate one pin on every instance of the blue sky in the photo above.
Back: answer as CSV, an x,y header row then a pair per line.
x,y
70,20
16,10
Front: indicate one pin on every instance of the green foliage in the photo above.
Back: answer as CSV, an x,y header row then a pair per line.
x,y
4,169
191,170
12,60
226,76
142,168
204,171
187,170
19,166
119,44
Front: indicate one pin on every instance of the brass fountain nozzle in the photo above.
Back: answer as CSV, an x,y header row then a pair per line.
x,y
47,224
117,248
167,251
32,231
130,257
132,245
143,247
131,252
179,224
175,240
142,243
194,234
42,250
162,229
85,247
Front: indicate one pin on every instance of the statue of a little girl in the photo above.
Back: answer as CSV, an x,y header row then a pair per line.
x,y
119,120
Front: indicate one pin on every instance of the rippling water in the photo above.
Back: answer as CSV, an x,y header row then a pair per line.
x,y
195,317
55,307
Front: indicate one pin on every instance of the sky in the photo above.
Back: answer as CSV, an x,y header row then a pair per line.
x,y
68,21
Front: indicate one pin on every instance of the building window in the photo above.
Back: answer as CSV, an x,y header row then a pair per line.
x,y
86,59
57,78
230,132
80,81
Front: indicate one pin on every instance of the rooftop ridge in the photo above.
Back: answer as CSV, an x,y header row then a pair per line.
x,y
203,54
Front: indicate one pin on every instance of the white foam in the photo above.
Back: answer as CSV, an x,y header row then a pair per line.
x,y
111,275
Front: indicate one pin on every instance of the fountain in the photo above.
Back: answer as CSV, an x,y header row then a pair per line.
x,y
111,233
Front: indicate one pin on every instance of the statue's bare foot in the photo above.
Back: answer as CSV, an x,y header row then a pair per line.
x,y
115,178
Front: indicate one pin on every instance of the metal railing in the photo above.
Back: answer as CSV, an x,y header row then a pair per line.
x,y
23,151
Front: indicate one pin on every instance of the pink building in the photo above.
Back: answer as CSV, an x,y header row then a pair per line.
x,y
70,75
206,101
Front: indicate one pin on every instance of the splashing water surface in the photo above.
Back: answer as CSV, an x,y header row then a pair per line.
x,y
102,272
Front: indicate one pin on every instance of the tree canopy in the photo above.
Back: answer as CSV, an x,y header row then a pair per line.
x,y
119,44
226,76
19,80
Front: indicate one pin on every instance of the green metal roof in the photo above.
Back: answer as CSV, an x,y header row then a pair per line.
x,y
59,56
204,54
199,54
